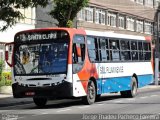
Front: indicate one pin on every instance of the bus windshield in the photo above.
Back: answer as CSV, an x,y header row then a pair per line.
x,y
42,57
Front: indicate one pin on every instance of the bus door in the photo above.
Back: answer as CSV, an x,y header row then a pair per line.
x,y
9,47
78,56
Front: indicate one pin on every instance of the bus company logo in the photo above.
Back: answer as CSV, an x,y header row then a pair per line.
x,y
117,69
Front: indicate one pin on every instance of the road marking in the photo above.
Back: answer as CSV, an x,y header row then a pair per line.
x,y
63,110
44,113
144,97
130,99
118,101
154,95
84,107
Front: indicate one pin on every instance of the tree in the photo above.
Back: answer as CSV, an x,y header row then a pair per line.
x,y
9,13
66,10
1,66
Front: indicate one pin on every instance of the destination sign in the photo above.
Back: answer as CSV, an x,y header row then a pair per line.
x,y
46,35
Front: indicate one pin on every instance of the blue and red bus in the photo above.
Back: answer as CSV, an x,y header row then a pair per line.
x,y
75,63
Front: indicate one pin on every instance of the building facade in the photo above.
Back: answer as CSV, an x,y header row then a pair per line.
x,y
135,17
8,36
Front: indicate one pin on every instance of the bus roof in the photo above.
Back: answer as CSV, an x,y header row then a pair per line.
x,y
77,31
111,34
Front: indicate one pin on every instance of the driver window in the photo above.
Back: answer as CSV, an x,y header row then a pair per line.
x,y
78,53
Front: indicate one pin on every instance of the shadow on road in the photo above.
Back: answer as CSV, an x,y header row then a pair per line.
x,y
76,102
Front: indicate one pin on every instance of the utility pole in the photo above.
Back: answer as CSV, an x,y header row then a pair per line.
x,y
157,50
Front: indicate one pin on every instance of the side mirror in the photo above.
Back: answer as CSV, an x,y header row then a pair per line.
x,y
9,48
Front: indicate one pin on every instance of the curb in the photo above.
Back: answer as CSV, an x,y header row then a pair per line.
x,y
150,87
6,90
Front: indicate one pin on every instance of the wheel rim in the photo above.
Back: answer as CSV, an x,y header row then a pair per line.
x,y
134,88
91,91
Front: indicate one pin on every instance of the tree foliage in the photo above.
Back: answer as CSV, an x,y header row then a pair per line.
x,y
9,13
66,10
1,66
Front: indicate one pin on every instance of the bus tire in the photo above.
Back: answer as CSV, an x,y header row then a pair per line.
x,y
133,92
40,102
91,94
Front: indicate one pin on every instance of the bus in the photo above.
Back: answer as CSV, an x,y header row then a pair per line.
x,y
57,63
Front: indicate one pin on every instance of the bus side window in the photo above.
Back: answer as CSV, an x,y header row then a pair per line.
x,y
93,49
134,52
125,50
74,55
114,50
78,53
147,51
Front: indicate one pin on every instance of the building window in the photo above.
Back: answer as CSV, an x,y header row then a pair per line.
x,y
100,17
111,19
89,14
81,15
86,14
148,27
130,24
29,15
156,3
1,55
149,3
139,25
139,1
2,49
121,22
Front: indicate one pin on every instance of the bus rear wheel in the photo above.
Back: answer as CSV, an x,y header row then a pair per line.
x,y
40,102
133,92
91,94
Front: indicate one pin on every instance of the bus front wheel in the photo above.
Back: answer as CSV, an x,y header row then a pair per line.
x,y
40,102
91,94
133,91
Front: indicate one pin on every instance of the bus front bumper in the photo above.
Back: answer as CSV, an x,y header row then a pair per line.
x,y
63,90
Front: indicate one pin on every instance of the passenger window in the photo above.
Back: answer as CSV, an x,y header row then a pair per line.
x,y
134,45
114,50
114,44
93,49
78,53
125,45
104,55
134,55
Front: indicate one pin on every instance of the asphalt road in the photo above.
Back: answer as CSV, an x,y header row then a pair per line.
x,y
146,105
